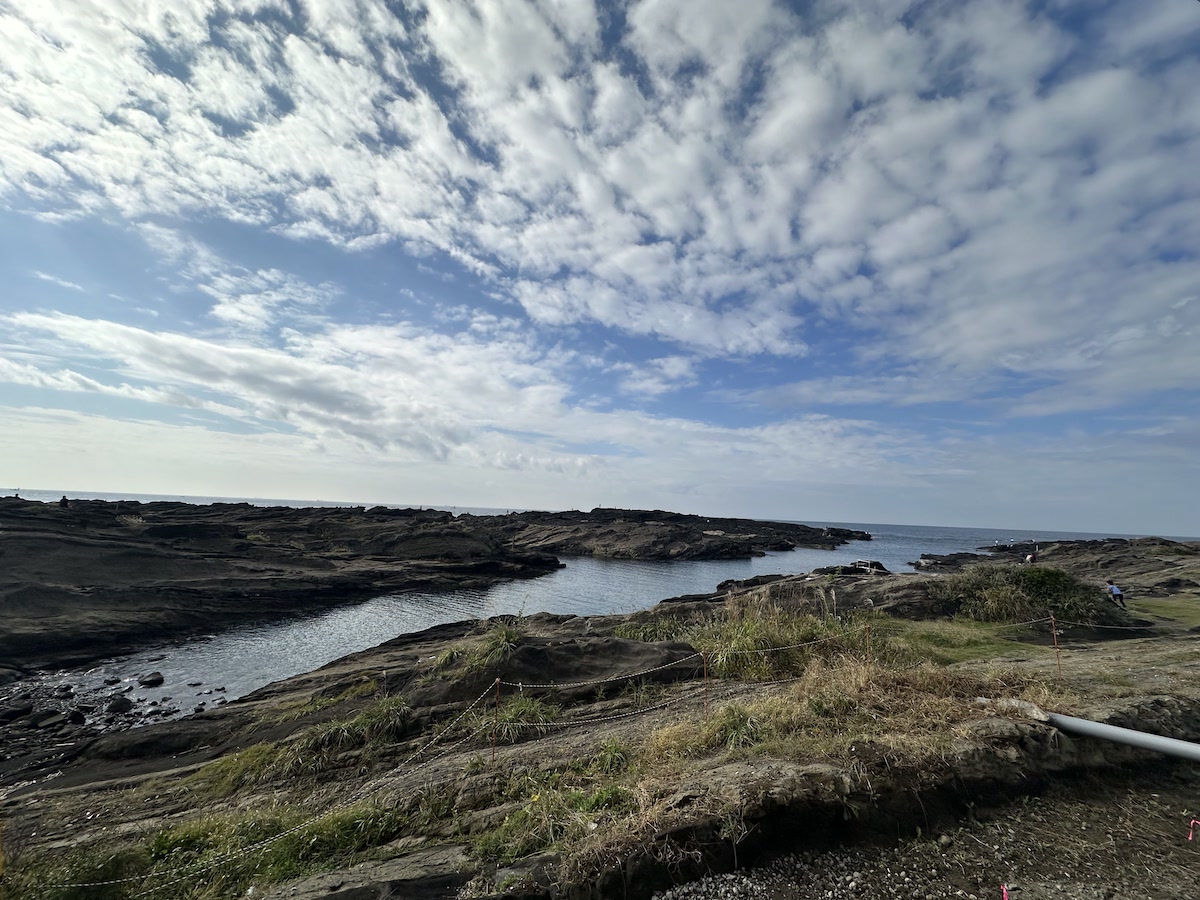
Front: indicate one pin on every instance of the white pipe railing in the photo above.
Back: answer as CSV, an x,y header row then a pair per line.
x,y
1088,728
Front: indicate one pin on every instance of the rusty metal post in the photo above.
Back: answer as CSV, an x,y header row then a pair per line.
x,y
1057,649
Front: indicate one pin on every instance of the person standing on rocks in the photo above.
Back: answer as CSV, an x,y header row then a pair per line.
x,y
1115,592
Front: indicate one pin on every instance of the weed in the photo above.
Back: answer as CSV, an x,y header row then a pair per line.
x,y
611,758
651,629
773,643
643,693
735,726
225,776
517,718
497,644
218,852
448,658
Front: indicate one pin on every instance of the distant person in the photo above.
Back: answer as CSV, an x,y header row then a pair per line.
x,y
1115,592
63,502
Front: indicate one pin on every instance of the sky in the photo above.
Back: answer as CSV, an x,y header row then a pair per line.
x,y
844,260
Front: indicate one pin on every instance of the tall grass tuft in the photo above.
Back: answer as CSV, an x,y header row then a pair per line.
x,y
772,643
996,593
497,645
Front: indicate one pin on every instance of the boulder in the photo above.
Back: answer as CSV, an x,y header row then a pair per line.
x,y
119,704
154,679
16,711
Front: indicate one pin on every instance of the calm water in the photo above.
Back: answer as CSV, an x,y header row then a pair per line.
x,y
243,659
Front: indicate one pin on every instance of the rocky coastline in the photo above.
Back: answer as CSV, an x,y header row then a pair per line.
x,y
622,681
90,579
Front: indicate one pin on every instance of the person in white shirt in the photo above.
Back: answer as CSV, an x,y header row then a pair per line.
x,y
1117,597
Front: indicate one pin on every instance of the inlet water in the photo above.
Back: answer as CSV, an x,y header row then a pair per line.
x,y
243,659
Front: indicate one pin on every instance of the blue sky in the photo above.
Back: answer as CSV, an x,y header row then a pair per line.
x,y
924,262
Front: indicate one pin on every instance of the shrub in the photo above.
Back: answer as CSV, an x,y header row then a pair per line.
x,y
996,593
773,643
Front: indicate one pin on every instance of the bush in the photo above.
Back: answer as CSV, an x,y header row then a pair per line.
x,y
996,593
773,643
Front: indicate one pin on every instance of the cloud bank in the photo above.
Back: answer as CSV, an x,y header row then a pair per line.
x,y
864,244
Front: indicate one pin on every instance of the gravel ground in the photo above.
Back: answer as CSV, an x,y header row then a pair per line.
x,y
1119,837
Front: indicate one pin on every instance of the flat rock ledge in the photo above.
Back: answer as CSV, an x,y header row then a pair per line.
x,y
785,806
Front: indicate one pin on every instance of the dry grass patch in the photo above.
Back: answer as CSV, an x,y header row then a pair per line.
x,y
908,713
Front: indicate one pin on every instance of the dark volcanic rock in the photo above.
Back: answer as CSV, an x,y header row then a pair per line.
x,y
934,562
119,704
656,534
17,711
95,579
154,679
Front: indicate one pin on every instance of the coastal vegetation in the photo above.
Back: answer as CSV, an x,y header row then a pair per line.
x,y
550,749
1012,594
832,694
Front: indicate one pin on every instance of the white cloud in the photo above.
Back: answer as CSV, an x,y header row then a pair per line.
x,y
61,282
659,376
987,194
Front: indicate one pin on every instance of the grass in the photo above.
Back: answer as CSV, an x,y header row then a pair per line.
x,y
902,711
1183,609
497,645
517,718
651,628
312,751
941,642
767,642
1012,594
552,813
900,704
207,857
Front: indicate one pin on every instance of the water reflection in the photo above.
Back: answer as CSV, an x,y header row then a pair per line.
x,y
244,659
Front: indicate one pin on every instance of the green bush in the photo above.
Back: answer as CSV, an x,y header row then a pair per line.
x,y
997,593
772,643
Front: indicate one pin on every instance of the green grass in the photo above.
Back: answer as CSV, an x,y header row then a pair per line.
x,y
517,718
312,751
941,642
497,645
771,643
1183,609
552,813
651,629
998,593
212,853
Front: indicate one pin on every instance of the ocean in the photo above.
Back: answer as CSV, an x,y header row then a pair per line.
x,y
243,659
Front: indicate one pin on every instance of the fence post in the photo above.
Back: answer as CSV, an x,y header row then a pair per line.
x,y
1057,651
496,720
869,660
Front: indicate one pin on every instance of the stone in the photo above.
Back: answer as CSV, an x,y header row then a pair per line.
x,y
154,679
17,711
119,704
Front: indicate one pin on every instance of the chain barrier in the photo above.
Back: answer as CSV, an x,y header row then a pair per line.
x,y
812,643
522,685
1109,627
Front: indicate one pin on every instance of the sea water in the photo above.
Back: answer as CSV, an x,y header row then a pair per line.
x,y
243,659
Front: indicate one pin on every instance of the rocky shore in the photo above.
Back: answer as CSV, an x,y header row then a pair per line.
x,y
90,579
453,785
